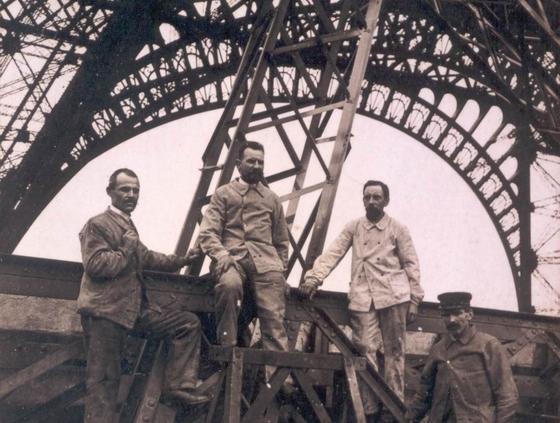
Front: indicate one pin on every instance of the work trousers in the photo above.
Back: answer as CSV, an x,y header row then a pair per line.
x,y
105,343
269,295
385,329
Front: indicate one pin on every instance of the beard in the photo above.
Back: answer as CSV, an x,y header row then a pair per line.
x,y
373,213
253,176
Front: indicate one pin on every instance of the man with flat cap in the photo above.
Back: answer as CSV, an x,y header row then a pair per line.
x,y
467,376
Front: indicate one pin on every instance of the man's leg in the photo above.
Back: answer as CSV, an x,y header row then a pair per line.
x,y
366,336
228,295
182,330
392,321
104,343
269,291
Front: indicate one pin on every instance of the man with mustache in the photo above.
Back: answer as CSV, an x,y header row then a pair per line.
x,y
114,303
385,289
467,376
245,234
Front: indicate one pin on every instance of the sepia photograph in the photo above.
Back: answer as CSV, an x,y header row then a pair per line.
x,y
279,211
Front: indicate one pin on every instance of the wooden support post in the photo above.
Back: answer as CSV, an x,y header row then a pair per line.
x,y
148,407
232,402
351,378
312,396
265,396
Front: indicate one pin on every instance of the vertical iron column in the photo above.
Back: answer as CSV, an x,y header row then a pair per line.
x,y
526,154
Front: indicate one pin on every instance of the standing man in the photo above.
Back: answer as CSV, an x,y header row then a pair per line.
x,y
245,234
385,288
113,303
467,376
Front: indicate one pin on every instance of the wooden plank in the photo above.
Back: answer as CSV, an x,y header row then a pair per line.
x,y
266,394
232,401
355,396
148,405
296,116
317,41
42,366
297,360
312,396
46,412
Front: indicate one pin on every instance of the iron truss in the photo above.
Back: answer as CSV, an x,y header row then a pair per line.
x,y
477,82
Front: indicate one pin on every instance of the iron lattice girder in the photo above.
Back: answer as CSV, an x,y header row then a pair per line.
x,y
191,76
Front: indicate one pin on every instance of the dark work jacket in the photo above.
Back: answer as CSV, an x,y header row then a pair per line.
x,y
112,281
472,376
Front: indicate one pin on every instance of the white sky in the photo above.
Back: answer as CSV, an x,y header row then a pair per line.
x,y
455,239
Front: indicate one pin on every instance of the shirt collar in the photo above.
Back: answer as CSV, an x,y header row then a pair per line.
x,y
464,338
381,225
120,212
243,187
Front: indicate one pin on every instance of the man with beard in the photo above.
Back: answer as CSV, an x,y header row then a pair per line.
x,y
114,303
467,376
245,234
385,289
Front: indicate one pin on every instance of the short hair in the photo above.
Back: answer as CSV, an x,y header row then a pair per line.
x,y
383,186
113,177
253,145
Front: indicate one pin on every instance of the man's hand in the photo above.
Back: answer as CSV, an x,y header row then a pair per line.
x,y
412,313
224,263
307,290
192,255
130,241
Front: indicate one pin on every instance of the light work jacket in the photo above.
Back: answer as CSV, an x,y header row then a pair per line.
x,y
385,267
246,219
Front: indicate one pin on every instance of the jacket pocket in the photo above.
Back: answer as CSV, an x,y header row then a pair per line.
x,y
400,285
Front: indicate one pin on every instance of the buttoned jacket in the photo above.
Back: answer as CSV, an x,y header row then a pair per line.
x,y
385,267
243,219
470,375
111,285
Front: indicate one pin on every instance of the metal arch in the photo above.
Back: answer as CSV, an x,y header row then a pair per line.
x,y
484,72
402,121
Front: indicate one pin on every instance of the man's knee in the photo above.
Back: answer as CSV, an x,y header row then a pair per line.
x,y
230,284
190,325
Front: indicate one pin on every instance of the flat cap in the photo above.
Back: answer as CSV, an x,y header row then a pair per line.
x,y
454,300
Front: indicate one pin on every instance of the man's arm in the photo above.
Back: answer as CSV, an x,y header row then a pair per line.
x,y
501,378
409,262
280,237
422,399
210,236
99,258
153,260
325,263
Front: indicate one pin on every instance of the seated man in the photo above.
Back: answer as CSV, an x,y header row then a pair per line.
x,y
467,376
245,234
113,303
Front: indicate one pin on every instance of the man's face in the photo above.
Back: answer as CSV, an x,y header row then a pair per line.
x,y
374,201
124,195
456,321
251,165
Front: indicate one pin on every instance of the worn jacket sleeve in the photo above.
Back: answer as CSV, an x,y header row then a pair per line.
x,y
501,378
422,399
99,258
152,260
327,261
409,262
210,236
280,237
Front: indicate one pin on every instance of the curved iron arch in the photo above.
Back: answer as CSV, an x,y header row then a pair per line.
x,y
386,67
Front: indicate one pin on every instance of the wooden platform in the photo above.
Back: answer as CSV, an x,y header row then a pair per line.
x,y
42,361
